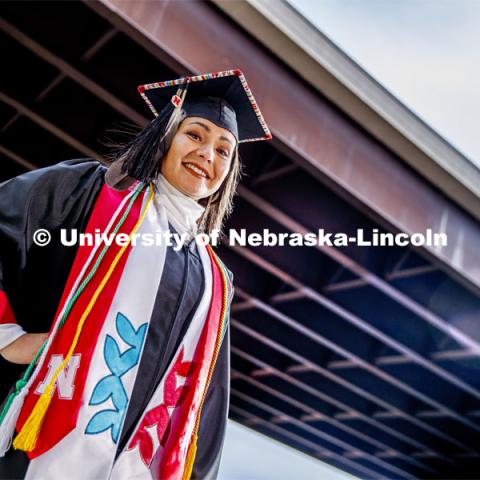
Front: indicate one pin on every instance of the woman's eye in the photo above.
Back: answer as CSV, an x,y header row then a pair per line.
x,y
222,152
193,135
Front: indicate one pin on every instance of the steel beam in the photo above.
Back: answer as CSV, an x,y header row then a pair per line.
x,y
347,285
68,70
306,126
272,174
454,355
99,44
356,321
251,419
411,272
348,385
322,435
87,55
17,158
350,412
317,416
325,342
375,281
50,127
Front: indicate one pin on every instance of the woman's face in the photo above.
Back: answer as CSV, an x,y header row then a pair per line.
x,y
199,157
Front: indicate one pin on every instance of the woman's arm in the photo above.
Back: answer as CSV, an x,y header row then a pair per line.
x,y
24,348
42,198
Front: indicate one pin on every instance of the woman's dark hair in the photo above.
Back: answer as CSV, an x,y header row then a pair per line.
x,y
219,206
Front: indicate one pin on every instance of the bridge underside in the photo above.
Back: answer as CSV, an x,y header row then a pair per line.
x,y
364,357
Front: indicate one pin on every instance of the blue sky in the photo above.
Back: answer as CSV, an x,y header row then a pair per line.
x,y
426,52
251,456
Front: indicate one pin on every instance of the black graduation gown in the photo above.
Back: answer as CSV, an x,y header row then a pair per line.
x,y
33,278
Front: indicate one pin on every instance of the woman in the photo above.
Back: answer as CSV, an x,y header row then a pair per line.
x,y
135,367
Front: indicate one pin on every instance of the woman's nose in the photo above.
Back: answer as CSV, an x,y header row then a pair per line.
x,y
206,152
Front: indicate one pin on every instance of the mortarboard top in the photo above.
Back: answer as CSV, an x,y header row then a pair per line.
x,y
212,96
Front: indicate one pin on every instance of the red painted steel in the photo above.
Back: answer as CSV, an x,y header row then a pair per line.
x,y
193,36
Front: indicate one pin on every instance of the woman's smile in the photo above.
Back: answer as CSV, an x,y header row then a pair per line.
x,y
196,170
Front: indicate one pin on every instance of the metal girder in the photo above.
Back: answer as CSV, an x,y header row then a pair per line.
x,y
292,225
321,340
99,44
406,353
437,356
454,354
315,415
50,127
87,55
68,70
354,388
347,285
17,158
305,125
393,360
279,172
287,296
343,364
323,454
411,272
322,435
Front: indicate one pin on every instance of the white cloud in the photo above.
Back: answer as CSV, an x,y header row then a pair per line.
x,y
423,51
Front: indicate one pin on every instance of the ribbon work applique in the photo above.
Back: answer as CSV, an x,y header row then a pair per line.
x,y
157,419
111,386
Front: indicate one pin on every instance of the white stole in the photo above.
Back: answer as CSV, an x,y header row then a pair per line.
x,y
87,452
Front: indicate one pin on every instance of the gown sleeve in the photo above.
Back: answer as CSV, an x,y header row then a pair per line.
x,y
46,198
213,422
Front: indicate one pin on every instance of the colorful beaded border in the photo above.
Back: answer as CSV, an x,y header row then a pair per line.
x,y
170,83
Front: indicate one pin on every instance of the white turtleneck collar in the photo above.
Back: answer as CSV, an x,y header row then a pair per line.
x,y
182,210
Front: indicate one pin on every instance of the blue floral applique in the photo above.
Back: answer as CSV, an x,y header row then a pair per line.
x,y
111,386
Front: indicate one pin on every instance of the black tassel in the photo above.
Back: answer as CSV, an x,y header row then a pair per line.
x,y
143,153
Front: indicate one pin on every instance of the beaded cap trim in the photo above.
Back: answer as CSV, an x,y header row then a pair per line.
x,y
207,76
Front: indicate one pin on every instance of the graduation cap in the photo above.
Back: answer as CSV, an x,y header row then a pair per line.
x,y
221,97
224,98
